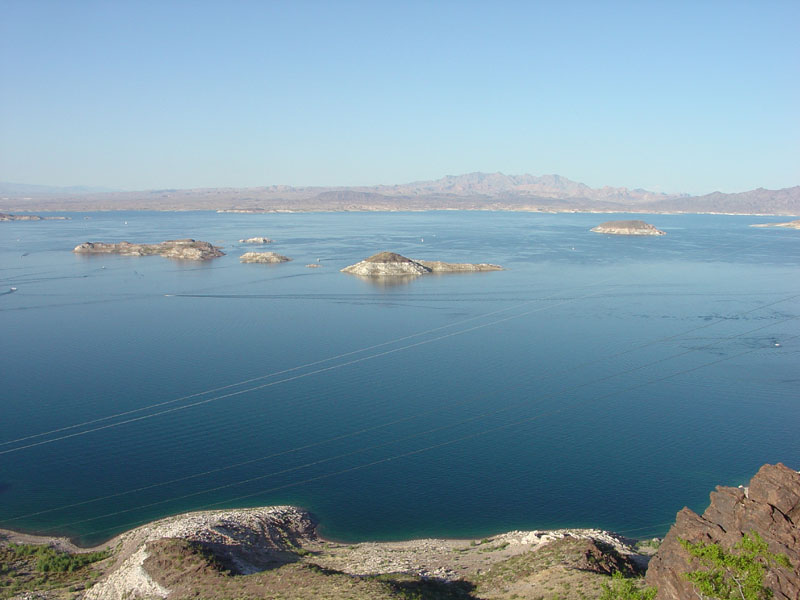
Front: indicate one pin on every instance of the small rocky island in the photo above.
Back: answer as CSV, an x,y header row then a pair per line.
x,y
634,227
186,249
790,224
256,240
392,264
8,217
263,257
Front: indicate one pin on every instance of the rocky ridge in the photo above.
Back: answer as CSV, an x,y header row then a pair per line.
x,y
185,249
249,540
770,506
632,227
393,264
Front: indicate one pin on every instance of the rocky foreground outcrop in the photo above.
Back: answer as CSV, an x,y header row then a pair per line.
x,y
263,257
392,264
245,540
634,227
790,224
200,554
770,506
186,249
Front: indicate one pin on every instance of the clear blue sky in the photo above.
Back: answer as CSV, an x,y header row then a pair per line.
x,y
670,96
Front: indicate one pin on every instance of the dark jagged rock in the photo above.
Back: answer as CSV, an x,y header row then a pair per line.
x,y
604,559
770,506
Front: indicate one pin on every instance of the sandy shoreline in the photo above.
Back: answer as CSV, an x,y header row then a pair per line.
x,y
67,544
58,542
261,539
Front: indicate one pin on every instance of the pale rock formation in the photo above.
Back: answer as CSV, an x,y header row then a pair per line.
x,y
250,539
634,227
392,264
256,240
263,257
185,249
8,217
790,224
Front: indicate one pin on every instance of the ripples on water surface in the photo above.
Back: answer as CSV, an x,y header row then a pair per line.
x,y
598,381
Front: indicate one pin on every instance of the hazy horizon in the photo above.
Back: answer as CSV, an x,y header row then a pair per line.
x,y
89,188
678,98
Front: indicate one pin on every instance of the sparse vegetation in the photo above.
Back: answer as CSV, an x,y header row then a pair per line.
x,y
626,588
652,544
500,546
551,571
49,559
29,567
192,571
733,575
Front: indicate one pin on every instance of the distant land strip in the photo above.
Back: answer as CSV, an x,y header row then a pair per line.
x,y
474,191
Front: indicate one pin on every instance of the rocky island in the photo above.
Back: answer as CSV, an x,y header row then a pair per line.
x,y
256,240
633,227
276,553
790,224
263,257
186,249
8,217
391,264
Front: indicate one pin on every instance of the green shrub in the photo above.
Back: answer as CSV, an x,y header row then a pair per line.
x,y
738,574
623,588
50,560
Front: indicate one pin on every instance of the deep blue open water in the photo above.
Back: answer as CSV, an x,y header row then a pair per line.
x,y
600,381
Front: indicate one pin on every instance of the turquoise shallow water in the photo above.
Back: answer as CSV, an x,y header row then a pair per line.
x,y
599,381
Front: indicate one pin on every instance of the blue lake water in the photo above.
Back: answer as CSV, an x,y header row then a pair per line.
x,y
600,381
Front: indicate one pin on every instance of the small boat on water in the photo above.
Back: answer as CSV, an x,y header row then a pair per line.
x,y
13,289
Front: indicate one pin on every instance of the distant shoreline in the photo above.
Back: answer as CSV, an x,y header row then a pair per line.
x,y
72,211
469,191
62,543
71,545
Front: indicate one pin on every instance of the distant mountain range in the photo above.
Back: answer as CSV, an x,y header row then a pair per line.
x,y
473,191
500,185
